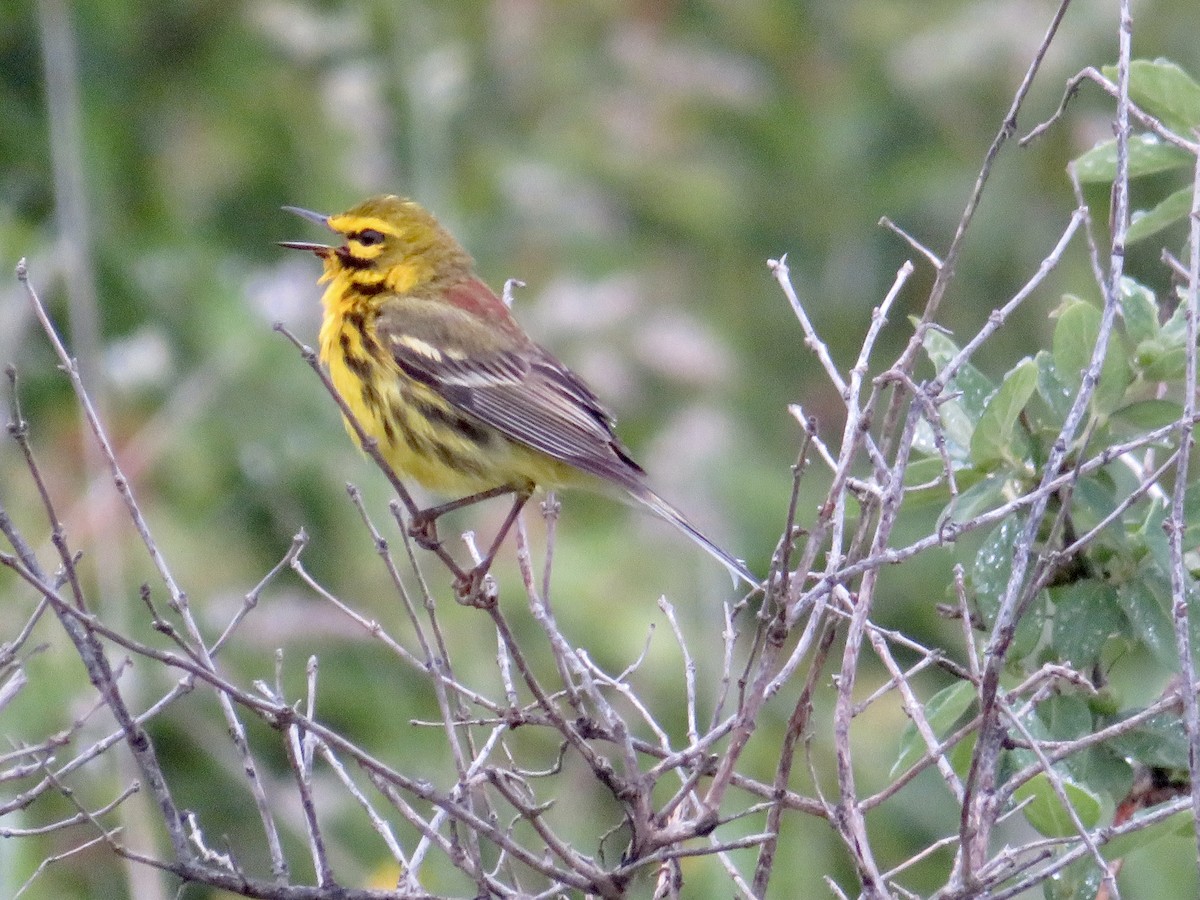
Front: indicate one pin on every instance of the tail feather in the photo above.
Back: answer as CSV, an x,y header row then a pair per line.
x,y
660,507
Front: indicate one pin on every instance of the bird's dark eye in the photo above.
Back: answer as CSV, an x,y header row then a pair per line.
x,y
369,237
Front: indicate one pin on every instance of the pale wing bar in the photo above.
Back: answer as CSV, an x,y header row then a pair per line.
x,y
545,406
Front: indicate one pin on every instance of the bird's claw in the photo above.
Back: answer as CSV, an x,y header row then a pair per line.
x,y
423,530
476,587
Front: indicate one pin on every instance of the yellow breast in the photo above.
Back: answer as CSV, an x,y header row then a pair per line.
x,y
420,434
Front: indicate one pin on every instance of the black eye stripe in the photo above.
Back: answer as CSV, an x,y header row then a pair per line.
x,y
368,237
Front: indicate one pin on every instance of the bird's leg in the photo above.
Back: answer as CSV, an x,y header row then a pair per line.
x,y
468,585
422,526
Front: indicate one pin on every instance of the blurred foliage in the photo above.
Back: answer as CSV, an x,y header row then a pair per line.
x,y
1107,609
635,164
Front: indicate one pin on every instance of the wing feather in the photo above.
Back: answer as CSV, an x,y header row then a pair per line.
x,y
488,369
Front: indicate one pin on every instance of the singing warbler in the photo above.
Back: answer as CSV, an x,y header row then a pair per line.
x,y
435,368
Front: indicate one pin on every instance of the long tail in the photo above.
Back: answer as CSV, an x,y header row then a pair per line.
x,y
660,507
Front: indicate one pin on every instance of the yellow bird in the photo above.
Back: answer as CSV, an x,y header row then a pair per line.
x,y
435,368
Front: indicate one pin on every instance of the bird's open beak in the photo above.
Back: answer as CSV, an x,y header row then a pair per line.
x,y
321,250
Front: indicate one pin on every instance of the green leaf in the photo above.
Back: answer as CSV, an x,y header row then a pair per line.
x,y
957,428
1086,613
1149,595
1139,309
1065,717
1149,620
1159,741
996,438
1094,500
1164,358
1147,222
993,566
1160,361
1102,770
1164,90
960,755
985,494
924,471
958,416
1174,330
1153,538
1191,515
1055,393
943,710
1148,155
1029,629
1173,826
1147,415
1045,811
1115,377
1080,880
1075,337
974,386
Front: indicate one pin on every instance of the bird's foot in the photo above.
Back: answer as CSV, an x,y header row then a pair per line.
x,y
476,587
422,528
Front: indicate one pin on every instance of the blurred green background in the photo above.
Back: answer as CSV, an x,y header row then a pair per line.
x,y
635,164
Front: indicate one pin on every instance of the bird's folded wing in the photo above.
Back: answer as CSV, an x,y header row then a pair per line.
x,y
489,369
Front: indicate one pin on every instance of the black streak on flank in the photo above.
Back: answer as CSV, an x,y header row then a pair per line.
x,y
370,396
375,351
464,427
456,461
360,367
400,416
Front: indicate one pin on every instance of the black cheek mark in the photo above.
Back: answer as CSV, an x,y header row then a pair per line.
x,y
368,289
350,261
